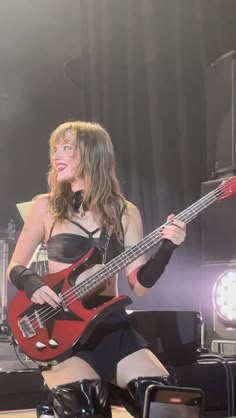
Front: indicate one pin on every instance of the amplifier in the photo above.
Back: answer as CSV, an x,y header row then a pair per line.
x,y
174,336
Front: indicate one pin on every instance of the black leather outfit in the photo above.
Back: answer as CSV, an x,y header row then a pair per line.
x,y
115,334
112,340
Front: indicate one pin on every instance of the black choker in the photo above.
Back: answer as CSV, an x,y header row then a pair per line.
x,y
78,203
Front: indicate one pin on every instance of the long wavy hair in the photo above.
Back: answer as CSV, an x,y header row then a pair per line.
x,y
97,168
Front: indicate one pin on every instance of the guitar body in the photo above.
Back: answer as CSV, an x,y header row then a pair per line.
x,y
56,331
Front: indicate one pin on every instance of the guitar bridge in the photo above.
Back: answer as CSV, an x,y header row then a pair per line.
x,y
26,327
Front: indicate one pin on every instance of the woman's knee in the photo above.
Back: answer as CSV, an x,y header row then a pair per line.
x,y
139,363
71,370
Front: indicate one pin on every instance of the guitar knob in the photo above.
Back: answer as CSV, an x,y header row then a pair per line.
x,y
53,343
40,346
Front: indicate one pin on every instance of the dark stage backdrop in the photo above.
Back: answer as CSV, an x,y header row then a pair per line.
x,y
136,66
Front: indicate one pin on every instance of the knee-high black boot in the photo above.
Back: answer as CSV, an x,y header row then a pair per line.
x,y
82,399
137,388
45,408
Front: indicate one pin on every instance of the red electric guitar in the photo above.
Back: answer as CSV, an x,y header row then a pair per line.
x,y
44,333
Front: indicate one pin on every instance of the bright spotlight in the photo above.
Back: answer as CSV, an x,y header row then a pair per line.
x,y
224,296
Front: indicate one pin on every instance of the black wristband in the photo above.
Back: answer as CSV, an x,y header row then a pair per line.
x,y
24,278
150,272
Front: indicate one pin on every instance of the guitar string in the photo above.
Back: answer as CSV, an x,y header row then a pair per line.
x,y
208,199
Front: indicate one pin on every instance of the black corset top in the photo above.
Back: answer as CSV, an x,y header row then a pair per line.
x,y
69,247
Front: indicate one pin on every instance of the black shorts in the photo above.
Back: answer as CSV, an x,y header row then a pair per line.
x,y
112,340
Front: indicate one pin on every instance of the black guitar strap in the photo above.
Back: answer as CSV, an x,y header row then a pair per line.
x,y
104,242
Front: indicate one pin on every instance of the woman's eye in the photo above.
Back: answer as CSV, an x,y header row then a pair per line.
x,y
66,147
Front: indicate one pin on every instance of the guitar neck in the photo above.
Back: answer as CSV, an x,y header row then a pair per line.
x,y
144,245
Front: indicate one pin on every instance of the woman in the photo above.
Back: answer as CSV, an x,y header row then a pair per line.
x,y
85,208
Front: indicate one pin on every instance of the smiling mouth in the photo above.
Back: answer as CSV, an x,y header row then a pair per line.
x,y
60,167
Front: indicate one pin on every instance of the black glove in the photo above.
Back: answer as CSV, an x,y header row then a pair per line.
x,y
24,278
150,272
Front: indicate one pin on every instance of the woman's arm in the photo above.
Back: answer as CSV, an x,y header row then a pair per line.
x,y
32,235
142,274
133,228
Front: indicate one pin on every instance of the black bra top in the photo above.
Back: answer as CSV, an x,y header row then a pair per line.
x,y
69,248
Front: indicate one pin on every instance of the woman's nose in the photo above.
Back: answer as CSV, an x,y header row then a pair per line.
x,y
56,155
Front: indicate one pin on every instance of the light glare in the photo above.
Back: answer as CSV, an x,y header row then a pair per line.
x,y
224,296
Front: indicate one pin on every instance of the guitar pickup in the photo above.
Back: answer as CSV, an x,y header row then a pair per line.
x,y
26,327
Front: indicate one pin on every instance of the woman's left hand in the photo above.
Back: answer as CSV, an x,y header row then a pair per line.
x,y
176,232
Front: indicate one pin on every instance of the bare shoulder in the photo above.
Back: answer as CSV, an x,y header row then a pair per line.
x,y
41,197
41,202
131,209
38,212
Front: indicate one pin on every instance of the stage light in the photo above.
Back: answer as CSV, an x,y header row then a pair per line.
x,y
224,296
224,311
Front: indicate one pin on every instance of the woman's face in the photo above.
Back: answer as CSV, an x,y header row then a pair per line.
x,y
65,160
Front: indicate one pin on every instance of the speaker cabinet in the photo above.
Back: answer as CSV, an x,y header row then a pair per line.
x,y
221,96
218,234
218,228
174,336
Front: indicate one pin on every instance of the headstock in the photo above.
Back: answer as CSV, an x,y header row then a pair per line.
x,y
227,188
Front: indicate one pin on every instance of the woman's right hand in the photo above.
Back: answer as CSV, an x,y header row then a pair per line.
x,y
46,295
